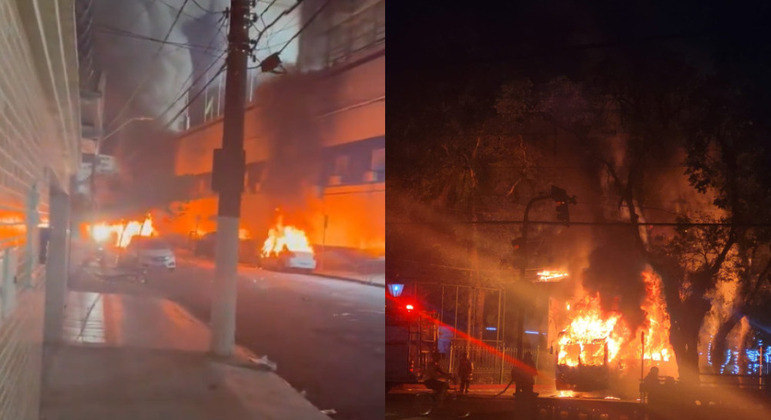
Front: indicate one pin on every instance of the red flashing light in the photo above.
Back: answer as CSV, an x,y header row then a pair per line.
x,y
409,307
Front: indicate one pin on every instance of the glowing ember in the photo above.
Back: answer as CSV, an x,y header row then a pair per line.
x,y
595,338
289,237
547,275
566,394
121,233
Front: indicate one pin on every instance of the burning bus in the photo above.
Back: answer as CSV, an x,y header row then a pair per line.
x,y
598,349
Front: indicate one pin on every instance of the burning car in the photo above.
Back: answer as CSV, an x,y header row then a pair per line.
x,y
287,248
148,252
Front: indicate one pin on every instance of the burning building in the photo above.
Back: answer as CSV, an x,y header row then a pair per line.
x,y
314,138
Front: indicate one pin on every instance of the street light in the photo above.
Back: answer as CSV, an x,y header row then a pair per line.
x,y
559,196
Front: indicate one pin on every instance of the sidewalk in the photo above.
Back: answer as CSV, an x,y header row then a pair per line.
x,y
140,357
350,265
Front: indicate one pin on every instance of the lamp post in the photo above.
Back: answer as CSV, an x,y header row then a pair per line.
x,y
559,196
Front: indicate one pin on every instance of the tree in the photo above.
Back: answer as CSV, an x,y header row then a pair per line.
x,y
637,118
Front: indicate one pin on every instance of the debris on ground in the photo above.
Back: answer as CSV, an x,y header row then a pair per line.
x,y
263,363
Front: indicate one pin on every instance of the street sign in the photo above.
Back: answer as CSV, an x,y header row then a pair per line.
x,y
106,164
87,146
84,171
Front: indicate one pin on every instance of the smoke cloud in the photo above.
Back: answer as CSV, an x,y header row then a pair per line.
x,y
152,72
615,271
294,167
149,80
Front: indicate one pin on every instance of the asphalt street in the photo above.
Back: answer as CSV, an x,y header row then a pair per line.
x,y
327,336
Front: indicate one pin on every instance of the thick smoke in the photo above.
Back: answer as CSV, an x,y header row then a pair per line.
x,y
294,145
615,271
135,67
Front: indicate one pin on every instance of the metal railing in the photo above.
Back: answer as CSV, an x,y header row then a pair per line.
x,y
492,360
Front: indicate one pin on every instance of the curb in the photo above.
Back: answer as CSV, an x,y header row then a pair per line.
x,y
334,277
240,356
328,276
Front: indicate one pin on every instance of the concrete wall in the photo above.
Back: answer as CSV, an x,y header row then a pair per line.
x,y
39,135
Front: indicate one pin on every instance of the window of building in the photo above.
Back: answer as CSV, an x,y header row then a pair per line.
x,y
341,165
254,175
355,25
378,163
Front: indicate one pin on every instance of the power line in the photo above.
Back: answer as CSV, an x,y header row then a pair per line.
x,y
299,31
548,222
186,88
170,6
195,2
273,22
119,32
149,74
313,16
190,102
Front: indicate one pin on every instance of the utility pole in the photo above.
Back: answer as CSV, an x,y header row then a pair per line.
x,y
228,181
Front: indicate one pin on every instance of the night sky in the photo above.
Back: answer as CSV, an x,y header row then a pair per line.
x,y
435,47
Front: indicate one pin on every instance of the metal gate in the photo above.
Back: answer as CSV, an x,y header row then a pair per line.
x,y
491,360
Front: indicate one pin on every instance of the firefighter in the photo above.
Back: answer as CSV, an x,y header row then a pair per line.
x,y
436,378
465,372
651,383
524,378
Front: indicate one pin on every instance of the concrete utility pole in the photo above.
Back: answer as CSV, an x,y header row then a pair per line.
x,y
228,182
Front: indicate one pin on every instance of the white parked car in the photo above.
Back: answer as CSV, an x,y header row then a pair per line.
x,y
148,252
289,260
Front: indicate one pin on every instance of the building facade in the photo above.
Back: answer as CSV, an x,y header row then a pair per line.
x,y
39,153
314,138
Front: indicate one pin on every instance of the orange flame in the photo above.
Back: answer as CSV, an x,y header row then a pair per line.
x,y
585,338
548,275
289,237
121,233
593,337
